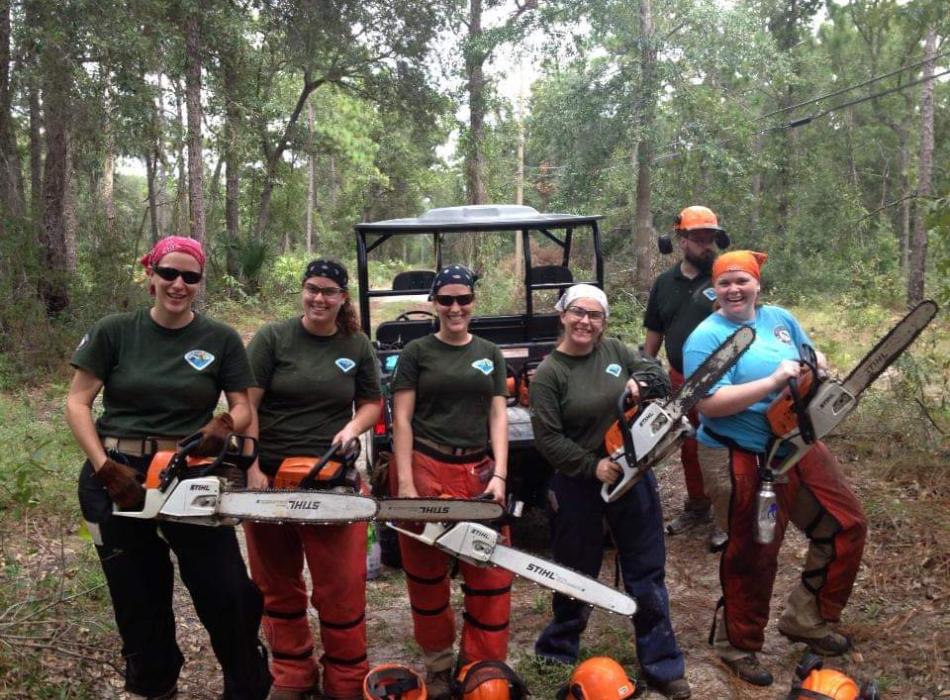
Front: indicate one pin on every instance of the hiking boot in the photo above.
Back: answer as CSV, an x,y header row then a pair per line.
x,y
749,669
718,539
687,520
439,684
831,644
676,689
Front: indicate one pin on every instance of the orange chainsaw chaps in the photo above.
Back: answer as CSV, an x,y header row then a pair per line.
x,y
160,460
781,413
613,440
293,470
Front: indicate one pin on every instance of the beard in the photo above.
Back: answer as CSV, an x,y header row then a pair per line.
x,y
703,263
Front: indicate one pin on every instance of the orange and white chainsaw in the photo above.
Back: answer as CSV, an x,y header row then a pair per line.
x,y
308,491
645,434
812,405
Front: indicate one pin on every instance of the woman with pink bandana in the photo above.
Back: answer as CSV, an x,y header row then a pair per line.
x,y
161,371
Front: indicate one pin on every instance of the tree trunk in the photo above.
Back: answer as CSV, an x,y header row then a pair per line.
x,y
54,283
904,225
232,179
918,243
272,156
70,220
150,167
36,155
311,178
180,215
643,219
196,198
11,174
107,184
475,75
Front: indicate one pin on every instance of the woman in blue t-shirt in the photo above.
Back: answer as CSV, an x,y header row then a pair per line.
x,y
734,437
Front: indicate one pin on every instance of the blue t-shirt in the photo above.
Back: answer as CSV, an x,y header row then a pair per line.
x,y
778,336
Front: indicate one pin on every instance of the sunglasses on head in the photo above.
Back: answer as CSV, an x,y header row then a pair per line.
x,y
170,274
449,299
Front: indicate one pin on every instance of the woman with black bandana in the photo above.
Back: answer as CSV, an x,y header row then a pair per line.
x,y
448,405
317,384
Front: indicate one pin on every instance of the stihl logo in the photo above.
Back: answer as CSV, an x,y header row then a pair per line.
x,y
199,487
481,535
304,505
540,570
437,510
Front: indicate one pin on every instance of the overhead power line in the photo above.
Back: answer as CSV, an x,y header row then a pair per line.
x,y
850,87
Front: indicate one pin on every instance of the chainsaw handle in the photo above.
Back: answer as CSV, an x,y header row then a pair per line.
x,y
234,452
622,403
349,452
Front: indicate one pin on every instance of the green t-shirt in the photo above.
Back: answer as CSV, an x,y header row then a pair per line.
x,y
161,381
454,387
310,383
677,305
574,402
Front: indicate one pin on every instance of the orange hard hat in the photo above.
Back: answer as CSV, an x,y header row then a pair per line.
x,y
600,678
394,682
819,683
697,218
488,680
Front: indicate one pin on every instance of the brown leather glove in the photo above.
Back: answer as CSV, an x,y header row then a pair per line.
x,y
213,435
123,483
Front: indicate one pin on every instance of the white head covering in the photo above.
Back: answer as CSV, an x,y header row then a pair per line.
x,y
583,291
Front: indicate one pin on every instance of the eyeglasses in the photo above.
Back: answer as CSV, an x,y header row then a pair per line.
x,y
170,274
327,292
579,313
449,299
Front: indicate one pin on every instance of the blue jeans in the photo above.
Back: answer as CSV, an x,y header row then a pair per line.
x,y
636,525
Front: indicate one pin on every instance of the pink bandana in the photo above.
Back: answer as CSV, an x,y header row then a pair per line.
x,y
173,244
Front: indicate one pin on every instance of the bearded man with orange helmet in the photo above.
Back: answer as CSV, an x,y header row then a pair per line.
x,y
681,298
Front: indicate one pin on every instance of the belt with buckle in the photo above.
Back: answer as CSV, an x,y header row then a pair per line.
x,y
139,447
438,450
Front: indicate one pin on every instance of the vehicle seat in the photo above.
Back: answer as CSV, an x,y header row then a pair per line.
x,y
413,280
547,274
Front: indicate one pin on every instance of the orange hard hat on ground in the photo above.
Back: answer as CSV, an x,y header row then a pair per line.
x,y
819,683
697,218
599,678
394,682
488,680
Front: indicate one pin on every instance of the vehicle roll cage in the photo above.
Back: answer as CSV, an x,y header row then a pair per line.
x,y
479,219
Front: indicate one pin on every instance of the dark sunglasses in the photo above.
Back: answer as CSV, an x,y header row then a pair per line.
x,y
449,299
327,292
170,274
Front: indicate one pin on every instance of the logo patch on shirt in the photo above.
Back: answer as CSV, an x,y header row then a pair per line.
x,y
345,364
781,332
709,293
613,369
484,365
199,359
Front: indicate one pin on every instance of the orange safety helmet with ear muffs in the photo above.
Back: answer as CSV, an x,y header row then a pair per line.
x,y
695,218
394,682
818,683
488,680
598,678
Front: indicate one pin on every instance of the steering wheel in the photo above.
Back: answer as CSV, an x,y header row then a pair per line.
x,y
406,315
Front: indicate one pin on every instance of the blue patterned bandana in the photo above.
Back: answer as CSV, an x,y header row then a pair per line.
x,y
453,274
329,269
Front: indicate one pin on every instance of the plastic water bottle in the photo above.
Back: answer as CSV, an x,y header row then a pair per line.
x,y
373,553
766,510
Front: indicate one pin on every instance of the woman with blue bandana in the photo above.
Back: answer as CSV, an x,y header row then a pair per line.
x,y
574,396
448,405
317,385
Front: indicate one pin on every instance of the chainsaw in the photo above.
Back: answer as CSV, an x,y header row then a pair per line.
x,y
482,545
308,491
644,435
812,405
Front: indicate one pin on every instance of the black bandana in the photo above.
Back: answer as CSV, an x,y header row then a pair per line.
x,y
453,274
327,268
